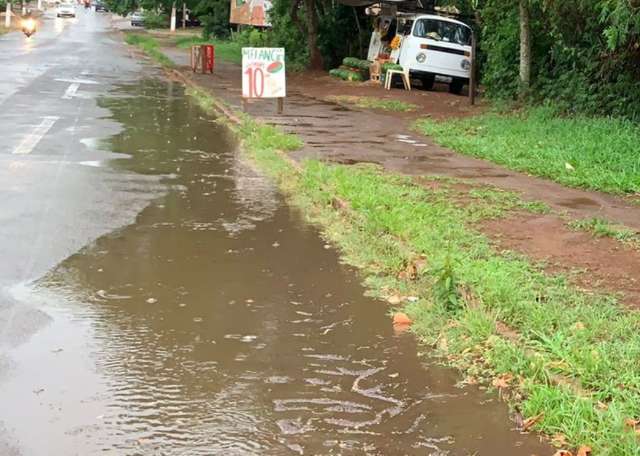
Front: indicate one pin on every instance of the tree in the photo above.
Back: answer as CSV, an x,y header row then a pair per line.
x,y
525,48
310,29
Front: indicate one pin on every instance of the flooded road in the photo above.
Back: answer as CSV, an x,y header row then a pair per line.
x,y
220,323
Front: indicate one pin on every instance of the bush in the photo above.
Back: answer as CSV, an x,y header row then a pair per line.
x,y
153,20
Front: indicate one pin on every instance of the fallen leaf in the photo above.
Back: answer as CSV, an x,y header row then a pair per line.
x,y
401,319
631,423
579,326
502,381
530,422
568,167
559,440
563,453
584,451
394,300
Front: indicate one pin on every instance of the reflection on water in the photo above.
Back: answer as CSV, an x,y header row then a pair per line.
x,y
220,324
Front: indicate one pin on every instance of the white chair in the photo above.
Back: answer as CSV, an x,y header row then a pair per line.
x,y
404,74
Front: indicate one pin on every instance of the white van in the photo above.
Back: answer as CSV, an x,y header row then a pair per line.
x,y
436,46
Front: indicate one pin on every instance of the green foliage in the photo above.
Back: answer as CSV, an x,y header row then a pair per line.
x,y
149,46
230,51
594,153
154,20
585,54
603,228
445,287
214,16
375,103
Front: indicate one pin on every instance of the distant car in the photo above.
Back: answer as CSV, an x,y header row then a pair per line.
x,y
137,19
101,7
66,10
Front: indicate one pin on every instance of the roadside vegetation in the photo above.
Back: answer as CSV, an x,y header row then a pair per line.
x,y
227,50
603,228
567,359
149,46
599,153
385,104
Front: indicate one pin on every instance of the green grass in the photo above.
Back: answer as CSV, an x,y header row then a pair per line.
x,y
375,103
149,46
594,153
469,292
229,51
603,228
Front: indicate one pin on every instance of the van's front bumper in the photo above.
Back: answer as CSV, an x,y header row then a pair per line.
x,y
433,70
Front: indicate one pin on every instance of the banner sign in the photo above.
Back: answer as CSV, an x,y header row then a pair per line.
x,y
263,73
250,12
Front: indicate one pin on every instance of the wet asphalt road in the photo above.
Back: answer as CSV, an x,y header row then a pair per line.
x,y
158,297
54,192
54,195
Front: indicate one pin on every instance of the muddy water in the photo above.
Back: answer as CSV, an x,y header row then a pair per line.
x,y
221,323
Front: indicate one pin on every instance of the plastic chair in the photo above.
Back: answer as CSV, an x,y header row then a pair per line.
x,y
404,74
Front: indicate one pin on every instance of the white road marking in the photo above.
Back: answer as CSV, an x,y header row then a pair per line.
x,y
77,81
32,140
71,91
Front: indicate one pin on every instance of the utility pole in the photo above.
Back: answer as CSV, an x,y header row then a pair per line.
x,y
7,18
184,15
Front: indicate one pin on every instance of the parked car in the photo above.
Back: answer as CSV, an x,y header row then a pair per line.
x,y
437,46
100,6
66,10
137,19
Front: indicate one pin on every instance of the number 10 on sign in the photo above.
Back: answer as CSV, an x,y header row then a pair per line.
x,y
263,73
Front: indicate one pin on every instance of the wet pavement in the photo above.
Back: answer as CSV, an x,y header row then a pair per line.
x,y
186,309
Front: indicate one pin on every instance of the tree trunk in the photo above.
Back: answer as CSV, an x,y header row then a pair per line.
x,y
525,48
315,57
184,15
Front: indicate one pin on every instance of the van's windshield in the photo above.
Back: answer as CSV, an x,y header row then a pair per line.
x,y
446,31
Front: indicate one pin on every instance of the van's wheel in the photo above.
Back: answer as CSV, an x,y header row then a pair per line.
x,y
428,81
456,85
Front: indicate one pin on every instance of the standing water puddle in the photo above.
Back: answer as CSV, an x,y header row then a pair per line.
x,y
219,323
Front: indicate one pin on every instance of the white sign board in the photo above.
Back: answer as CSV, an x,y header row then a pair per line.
x,y
263,73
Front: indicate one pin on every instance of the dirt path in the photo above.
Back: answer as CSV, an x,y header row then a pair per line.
x,y
341,134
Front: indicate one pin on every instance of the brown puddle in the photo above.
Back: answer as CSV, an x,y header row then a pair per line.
x,y
220,323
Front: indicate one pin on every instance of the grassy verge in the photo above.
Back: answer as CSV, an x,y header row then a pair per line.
x,y
593,153
566,357
229,51
603,228
149,46
375,103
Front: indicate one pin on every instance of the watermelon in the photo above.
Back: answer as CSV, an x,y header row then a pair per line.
x,y
276,66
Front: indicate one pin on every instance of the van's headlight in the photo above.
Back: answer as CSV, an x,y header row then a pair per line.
x,y
421,57
465,64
